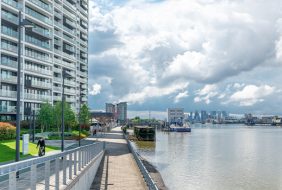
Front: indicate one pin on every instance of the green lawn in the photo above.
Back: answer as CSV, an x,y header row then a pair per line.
x,y
7,150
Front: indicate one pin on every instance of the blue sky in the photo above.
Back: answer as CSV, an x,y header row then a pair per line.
x,y
196,54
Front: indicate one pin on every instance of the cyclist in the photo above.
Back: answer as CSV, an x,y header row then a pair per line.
x,y
41,144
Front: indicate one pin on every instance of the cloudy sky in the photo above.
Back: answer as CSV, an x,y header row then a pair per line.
x,y
195,54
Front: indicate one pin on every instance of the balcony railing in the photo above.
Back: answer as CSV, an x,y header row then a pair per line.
x,y
9,79
70,91
38,16
38,70
69,82
9,63
40,84
9,47
57,79
57,98
42,5
38,97
8,93
12,3
7,109
72,99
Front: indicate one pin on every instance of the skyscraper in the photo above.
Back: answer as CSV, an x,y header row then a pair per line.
x,y
122,112
58,40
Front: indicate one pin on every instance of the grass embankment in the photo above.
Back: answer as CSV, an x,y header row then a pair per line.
x,y
7,150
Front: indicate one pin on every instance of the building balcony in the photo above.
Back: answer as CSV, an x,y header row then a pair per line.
x,y
57,79
8,93
37,97
84,98
8,109
57,70
42,32
84,86
72,31
57,88
68,13
42,5
12,3
69,82
38,70
10,63
9,17
9,47
70,99
41,84
9,79
57,98
38,16
70,91
70,5
9,32
66,64
68,39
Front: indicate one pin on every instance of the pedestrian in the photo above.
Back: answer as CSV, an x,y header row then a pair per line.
x,y
41,144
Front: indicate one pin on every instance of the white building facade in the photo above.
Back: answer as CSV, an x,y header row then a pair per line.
x,y
58,40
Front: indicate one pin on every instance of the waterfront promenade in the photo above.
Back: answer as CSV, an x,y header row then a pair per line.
x,y
118,170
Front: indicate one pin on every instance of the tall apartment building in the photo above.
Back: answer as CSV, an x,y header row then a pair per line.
x,y
121,110
110,108
175,115
59,39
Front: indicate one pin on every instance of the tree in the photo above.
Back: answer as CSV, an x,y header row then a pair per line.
x,y
84,115
45,116
69,116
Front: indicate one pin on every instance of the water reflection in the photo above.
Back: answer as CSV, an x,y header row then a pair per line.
x,y
220,158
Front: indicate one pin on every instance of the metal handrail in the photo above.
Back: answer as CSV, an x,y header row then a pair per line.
x,y
148,179
75,159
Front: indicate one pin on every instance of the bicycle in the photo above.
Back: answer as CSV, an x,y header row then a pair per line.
x,y
41,151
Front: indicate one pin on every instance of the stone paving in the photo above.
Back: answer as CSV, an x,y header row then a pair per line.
x,y
118,170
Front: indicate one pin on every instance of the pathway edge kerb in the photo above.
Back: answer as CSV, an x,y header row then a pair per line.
x,y
147,178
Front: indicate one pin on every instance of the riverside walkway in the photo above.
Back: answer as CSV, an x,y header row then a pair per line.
x,y
118,170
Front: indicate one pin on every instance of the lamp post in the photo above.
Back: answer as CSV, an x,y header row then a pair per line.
x,y
22,23
79,143
64,75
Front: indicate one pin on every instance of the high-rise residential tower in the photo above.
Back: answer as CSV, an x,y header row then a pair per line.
x,y
58,40
121,110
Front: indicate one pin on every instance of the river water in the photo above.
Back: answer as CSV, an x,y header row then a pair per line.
x,y
230,157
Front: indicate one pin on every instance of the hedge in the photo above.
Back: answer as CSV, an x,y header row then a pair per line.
x,y
7,131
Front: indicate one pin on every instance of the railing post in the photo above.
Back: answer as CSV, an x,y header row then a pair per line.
x,y
75,163
70,166
12,180
33,177
65,169
47,175
57,177
79,159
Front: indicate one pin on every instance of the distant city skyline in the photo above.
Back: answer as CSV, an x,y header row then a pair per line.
x,y
201,54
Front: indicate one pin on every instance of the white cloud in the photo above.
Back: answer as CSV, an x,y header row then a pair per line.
x,y
95,90
251,94
180,96
148,49
152,91
205,94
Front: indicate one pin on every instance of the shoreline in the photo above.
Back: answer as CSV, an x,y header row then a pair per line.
x,y
154,173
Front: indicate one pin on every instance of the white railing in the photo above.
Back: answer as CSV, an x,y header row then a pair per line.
x,y
63,167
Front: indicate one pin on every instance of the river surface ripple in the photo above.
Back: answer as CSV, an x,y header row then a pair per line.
x,y
223,157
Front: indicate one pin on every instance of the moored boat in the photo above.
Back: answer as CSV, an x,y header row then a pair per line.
x,y
185,128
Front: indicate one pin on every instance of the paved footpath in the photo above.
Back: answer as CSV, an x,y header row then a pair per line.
x,y
118,170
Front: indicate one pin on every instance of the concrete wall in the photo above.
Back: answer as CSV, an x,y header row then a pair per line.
x,y
86,177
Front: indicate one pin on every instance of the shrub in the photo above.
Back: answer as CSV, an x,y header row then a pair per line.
x,y
7,131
